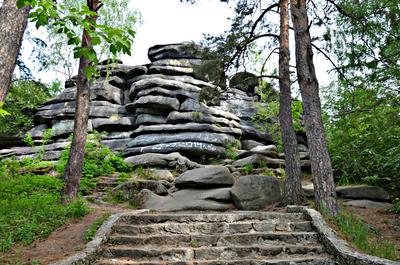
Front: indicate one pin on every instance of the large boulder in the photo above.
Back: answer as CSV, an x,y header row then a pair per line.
x,y
188,199
256,192
363,192
213,176
184,50
163,160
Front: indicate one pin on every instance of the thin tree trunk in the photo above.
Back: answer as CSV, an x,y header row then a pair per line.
x,y
73,169
293,189
13,22
325,194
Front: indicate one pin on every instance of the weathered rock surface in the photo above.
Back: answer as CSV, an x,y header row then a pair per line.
x,y
257,160
363,192
166,160
368,204
256,192
188,199
185,50
129,189
212,176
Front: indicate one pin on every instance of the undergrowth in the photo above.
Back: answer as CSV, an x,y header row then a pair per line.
x,y
364,237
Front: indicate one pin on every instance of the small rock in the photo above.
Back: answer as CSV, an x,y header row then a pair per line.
x,y
368,204
163,174
363,192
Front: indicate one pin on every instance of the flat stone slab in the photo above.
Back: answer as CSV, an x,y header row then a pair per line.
x,y
213,176
155,159
193,149
363,192
368,204
187,199
255,192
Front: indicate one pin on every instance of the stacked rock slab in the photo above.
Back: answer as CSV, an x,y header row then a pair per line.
x,y
170,117
206,188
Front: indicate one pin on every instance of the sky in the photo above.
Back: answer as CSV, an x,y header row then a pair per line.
x,y
171,21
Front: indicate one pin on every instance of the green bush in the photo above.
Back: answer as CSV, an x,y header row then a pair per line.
x,y
22,99
99,161
363,129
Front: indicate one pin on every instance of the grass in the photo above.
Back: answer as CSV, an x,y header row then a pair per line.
x,y
92,230
363,237
30,209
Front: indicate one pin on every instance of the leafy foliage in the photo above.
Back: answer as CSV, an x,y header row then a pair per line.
x,y
22,99
364,136
69,20
99,161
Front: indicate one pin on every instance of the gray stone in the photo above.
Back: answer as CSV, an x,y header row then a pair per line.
x,y
99,90
250,132
368,204
193,105
205,137
163,174
183,79
258,159
363,192
159,91
155,159
98,109
188,199
114,122
163,83
241,108
308,189
256,192
302,148
121,70
193,149
184,50
149,111
269,151
146,119
64,127
116,144
213,176
129,189
170,70
38,131
177,62
200,117
158,102
250,144
188,127
244,81
20,151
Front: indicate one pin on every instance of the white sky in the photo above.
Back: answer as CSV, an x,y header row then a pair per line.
x,y
170,21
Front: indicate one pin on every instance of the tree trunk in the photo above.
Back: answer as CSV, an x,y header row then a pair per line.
x,y
73,169
293,189
325,194
13,22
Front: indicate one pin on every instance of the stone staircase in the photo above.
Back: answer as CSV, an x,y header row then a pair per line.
x,y
214,238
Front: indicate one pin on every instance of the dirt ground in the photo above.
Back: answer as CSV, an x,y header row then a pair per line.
x,y
63,242
69,238
387,224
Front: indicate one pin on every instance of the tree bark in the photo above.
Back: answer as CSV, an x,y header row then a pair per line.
x,y
324,185
73,169
293,189
13,22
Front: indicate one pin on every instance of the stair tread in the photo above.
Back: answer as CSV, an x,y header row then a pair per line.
x,y
305,258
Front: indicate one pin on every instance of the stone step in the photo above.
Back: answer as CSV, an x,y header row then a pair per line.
x,y
210,253
247,239
142,219
213,228
303,260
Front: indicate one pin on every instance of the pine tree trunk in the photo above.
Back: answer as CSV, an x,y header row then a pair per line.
x,y
73,169
293,189
325,194
13,22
